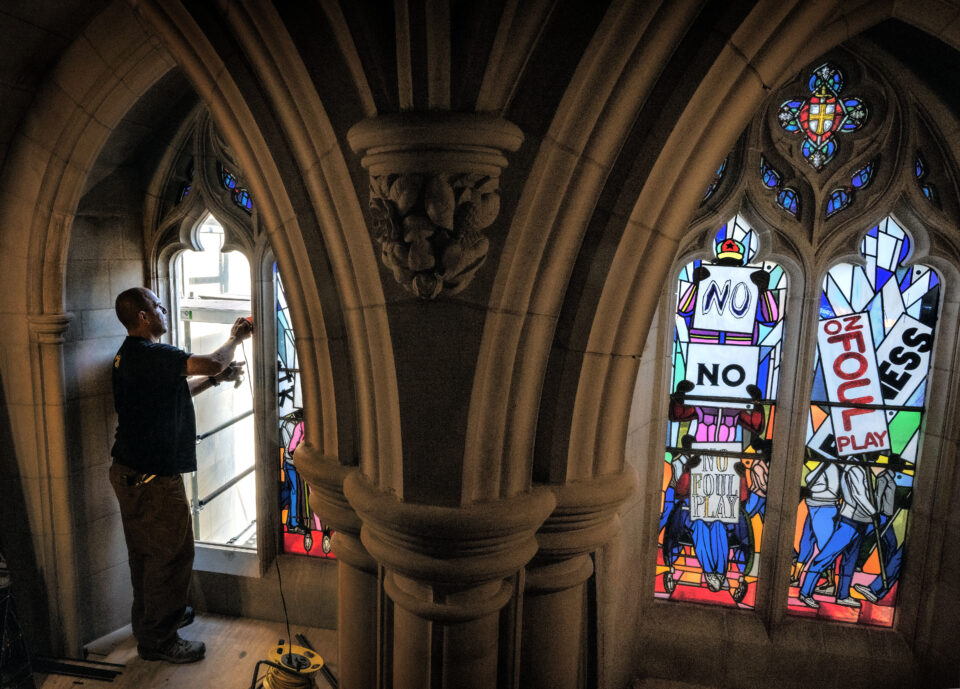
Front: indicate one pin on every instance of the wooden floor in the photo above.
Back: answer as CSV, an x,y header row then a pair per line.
x,y
234,645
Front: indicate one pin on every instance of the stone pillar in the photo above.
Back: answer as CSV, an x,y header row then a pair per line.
x,y
357,573
554,600
448,573
57,547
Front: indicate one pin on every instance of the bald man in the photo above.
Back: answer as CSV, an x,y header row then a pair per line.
x,y
153,386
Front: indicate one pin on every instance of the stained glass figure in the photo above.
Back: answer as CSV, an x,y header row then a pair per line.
x,y
712,187
726,369
838,200
864,431
301,527
789,200
822,114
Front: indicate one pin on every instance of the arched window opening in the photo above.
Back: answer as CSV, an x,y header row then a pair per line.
x,y
875,338
837,177
726,364
213,290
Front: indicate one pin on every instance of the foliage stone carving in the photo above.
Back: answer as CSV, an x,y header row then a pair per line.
x,y
429,227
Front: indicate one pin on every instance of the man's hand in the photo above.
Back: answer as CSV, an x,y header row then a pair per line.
x,y
241,329
233,373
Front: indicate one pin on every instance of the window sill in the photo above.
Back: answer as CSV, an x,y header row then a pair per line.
x,y
226,560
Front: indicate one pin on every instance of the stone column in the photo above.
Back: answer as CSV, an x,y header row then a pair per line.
x,y
57,547
357,573
448,573
554,596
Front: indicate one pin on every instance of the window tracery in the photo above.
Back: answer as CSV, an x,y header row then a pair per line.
x,y
858,170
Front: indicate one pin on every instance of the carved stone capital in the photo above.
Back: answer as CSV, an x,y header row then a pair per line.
x,y
49,328
449,546
586,515
434,188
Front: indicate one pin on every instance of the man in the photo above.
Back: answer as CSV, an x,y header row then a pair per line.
x,y
155,444
857,513
889,505
822,495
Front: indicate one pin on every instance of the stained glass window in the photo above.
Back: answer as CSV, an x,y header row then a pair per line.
x,y
770,177
184,189
862,177
715,182
303,532
726,369
843,197
787,197
875,339
930,191
838,200
789,200
822,114
242,199
240,195
227,178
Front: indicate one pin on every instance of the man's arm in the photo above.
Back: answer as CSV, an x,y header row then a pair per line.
x,y
233,372
215,363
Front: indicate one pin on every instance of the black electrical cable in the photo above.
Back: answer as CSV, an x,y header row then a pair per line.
x,y
283,603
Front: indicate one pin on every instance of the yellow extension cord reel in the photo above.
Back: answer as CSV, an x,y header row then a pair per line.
x,y
291,667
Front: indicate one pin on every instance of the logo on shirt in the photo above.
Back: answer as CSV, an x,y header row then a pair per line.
x,y
116,361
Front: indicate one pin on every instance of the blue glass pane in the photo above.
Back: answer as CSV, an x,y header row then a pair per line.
x,y
227,179
789,200
718,175
863,176
242,199
839,199
770,177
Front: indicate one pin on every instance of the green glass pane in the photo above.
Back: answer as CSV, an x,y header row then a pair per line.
x,y
902,427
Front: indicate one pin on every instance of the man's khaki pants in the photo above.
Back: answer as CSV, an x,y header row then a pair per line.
x,y
159,534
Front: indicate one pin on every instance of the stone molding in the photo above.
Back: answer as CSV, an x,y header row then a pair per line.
x,y
434,188
457,607
586,515
454,546
326,475
49,328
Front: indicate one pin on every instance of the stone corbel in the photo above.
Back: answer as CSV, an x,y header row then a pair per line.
x,y
434,189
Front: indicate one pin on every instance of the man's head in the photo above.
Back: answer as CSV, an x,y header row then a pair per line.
x,y
142,313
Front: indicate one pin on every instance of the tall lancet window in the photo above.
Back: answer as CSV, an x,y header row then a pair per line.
x,y
875,338
726,372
